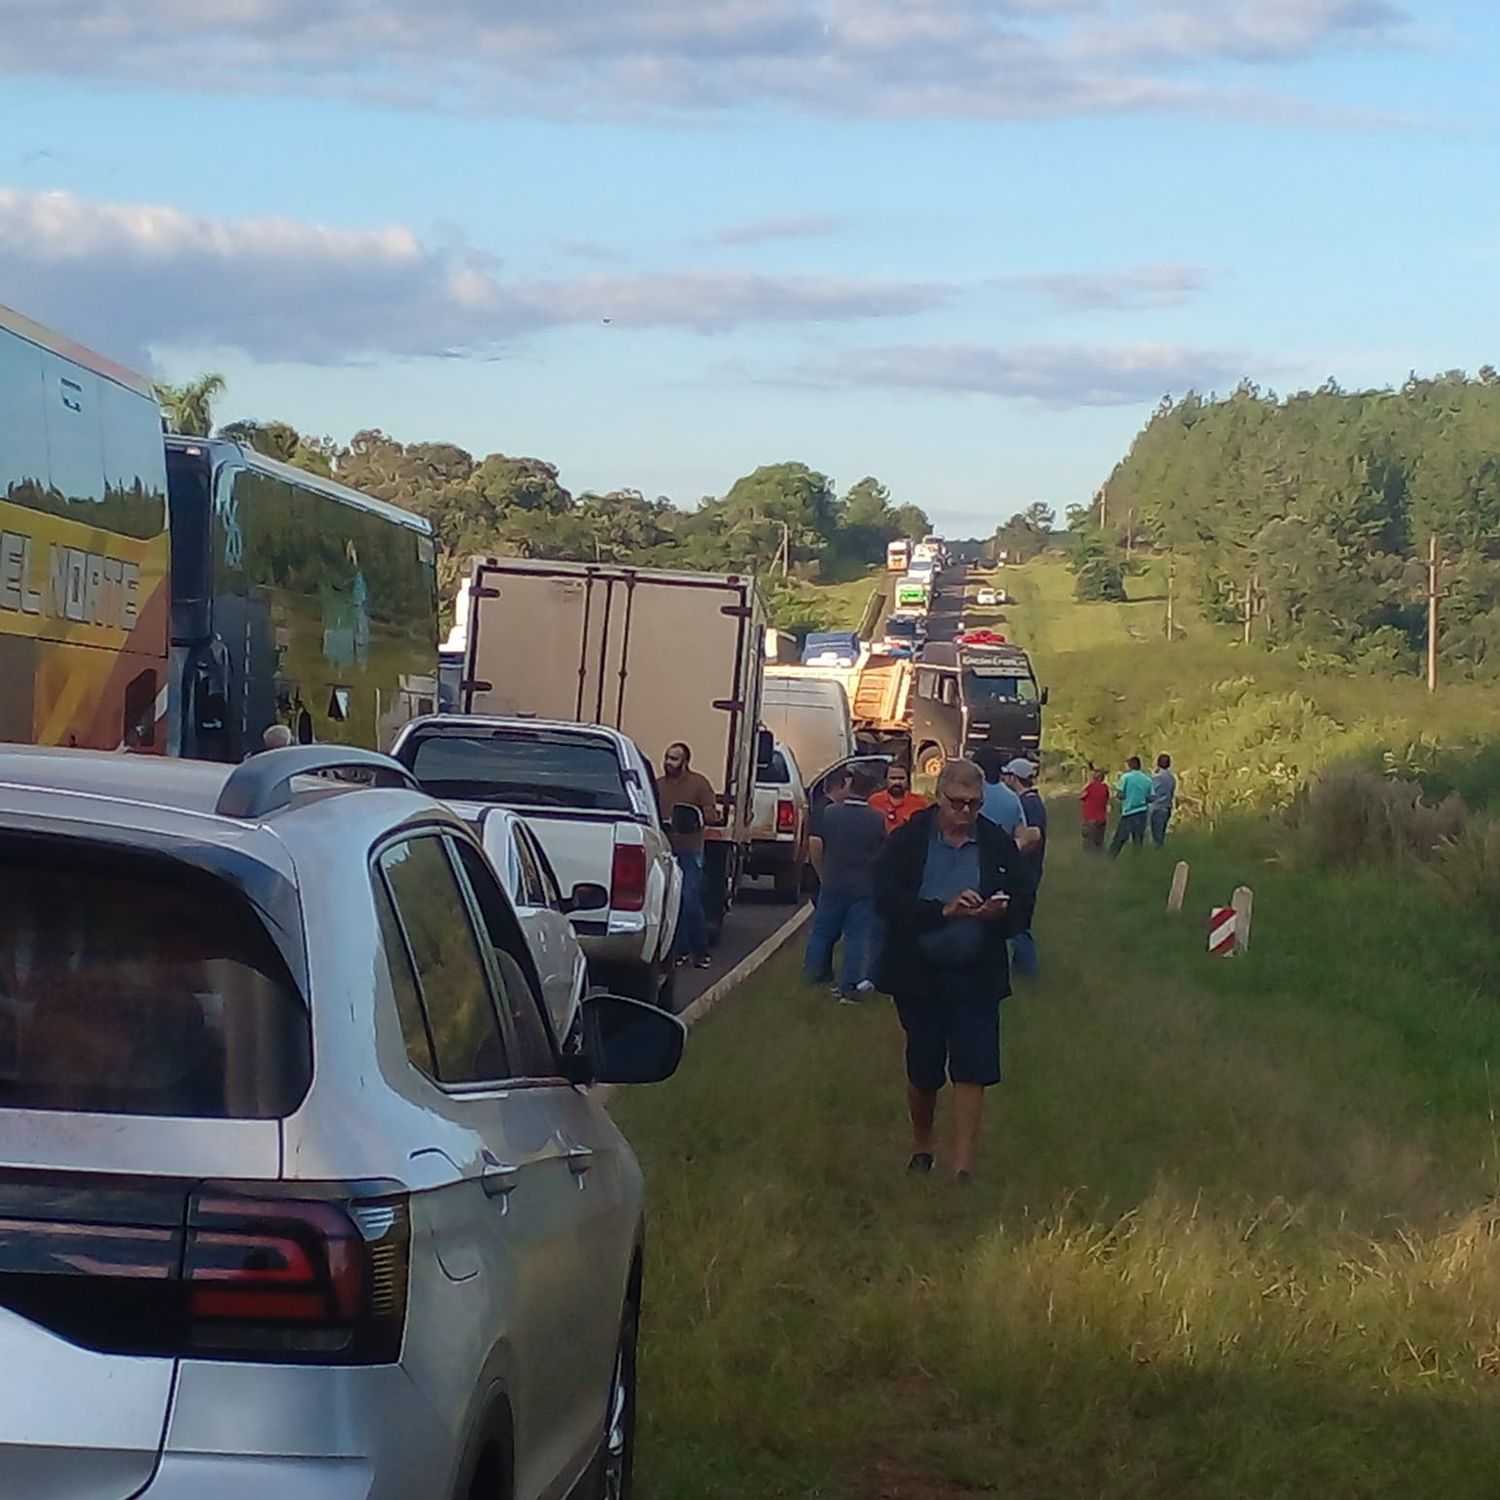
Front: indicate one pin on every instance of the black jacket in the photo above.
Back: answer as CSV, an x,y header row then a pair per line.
x,y
904,969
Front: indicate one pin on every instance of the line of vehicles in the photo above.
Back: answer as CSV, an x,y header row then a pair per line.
x,y
298,1178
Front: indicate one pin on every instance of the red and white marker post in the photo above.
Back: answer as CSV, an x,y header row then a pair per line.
x,y
1223,932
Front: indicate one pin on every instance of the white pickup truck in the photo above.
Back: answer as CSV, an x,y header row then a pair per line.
x,y
586,794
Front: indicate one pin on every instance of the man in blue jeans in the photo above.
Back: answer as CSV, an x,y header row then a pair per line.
x,y
1163,798
681,786
852,836
1134,791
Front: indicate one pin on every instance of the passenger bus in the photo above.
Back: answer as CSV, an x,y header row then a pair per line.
x,y
295,601
83,548
897,555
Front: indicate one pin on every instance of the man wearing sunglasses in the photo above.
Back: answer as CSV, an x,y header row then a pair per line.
x,y
943,888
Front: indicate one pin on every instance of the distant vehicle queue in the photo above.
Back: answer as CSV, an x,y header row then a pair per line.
x,y
187,596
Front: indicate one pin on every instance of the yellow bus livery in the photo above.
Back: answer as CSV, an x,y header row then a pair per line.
x,y
84,609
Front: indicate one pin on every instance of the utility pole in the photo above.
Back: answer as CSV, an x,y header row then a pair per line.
x,y
786,547
1171,596
1129,532
1103,510
1249,605
1433,595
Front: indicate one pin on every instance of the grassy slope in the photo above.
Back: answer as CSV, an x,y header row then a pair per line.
x,y
1234,1235
1111,671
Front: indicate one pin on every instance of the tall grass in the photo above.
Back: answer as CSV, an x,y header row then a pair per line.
x,y
1234,1233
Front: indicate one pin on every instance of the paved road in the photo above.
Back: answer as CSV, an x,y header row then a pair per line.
x,y
756,915
947,609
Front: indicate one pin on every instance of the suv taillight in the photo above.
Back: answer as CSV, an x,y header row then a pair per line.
x,y
627,878
216,1272
297,1277
786,817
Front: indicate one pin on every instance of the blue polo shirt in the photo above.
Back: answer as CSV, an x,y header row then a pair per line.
x,y
948,871
1003,806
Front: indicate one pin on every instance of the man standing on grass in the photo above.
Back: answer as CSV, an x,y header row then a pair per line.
x,y
943,889
853,836
1001,805
1163,799
1020,777
679,786
898,804
1134,791
1095,800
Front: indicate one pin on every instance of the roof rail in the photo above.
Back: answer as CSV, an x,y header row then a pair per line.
x,y
264,782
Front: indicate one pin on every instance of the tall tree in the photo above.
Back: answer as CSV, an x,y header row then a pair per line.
x,y
189,408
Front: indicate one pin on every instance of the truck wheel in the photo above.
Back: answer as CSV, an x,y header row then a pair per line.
x,y
931,760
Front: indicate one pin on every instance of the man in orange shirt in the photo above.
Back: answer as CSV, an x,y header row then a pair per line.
x,y
897,803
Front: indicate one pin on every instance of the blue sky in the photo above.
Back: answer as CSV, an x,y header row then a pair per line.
x,y
963,245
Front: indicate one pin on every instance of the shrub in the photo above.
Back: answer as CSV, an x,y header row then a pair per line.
x,y
1349,815
1467,865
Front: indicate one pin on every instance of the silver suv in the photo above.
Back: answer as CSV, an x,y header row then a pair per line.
x,y
298,1194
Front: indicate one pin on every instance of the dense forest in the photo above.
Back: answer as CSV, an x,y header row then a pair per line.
x,y
785,522
1319,507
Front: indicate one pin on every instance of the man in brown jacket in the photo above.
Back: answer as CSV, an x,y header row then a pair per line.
x,y
681,786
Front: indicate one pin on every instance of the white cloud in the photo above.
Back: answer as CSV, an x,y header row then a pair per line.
x,y
1141,287
1052,375
996,59
776,227
133,277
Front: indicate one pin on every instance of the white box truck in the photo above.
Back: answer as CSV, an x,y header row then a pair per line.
x,y
661,656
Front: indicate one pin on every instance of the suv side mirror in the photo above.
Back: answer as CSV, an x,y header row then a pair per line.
x,y
687,819
626,1041
1044,697
585,896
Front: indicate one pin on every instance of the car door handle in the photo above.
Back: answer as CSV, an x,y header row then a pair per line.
x,y
500,1182
580,1162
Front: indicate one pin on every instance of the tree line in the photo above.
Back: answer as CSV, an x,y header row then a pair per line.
x,y
786,522
1312,514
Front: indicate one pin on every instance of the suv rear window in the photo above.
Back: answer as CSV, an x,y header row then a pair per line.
x,y
520,770
136,988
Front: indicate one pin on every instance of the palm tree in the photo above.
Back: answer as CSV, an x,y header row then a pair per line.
x,y
189,408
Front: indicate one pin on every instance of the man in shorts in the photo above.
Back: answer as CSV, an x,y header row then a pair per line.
x,y
943,888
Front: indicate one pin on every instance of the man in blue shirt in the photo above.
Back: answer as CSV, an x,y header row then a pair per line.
x,y
1002,806
1134,791
943,887
1020,777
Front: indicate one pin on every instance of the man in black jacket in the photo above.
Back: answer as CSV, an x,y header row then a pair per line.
x,y
943,888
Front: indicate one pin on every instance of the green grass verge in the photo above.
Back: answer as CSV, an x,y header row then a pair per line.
x,y
1234,1234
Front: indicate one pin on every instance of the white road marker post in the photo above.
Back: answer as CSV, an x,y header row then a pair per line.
x,y
1178,894
1243,902
1221,925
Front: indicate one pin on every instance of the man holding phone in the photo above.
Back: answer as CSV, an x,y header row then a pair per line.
x,y
943,888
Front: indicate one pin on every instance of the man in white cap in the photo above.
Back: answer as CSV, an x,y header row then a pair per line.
x,y
1020,776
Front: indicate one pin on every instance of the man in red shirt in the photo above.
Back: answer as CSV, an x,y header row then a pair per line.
x,y
897,803
1095,801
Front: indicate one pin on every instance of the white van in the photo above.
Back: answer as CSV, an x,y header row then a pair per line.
x,y
809,714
